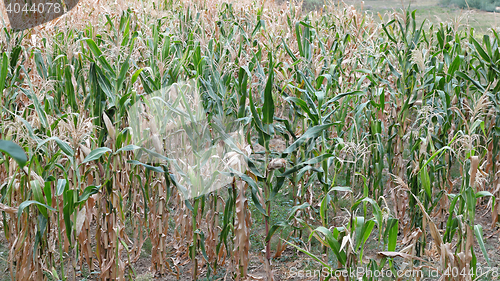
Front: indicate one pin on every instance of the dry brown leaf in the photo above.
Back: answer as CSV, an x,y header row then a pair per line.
x,y
7,209
242,231
80,219
277,164
474,163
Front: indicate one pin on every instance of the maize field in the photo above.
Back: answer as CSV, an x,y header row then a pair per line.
x,y
216,140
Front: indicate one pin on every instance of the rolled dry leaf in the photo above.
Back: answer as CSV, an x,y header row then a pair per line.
x,y
242,231
7,209
109,126
470,241
489,158
80,219
447,258
415,235
86,151
280,248
34,175
277,164
474,163
253,277
157,143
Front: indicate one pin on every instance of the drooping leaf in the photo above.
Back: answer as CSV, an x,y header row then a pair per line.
x,y
15,151
89,191
149,167
62,145
96,154
478,231
61,186
310,133
27,203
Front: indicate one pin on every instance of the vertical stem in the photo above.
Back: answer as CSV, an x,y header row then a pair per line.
x,y
195,240
268,207
60,240
76,188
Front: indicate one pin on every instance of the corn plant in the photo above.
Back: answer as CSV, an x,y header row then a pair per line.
x,y
181,125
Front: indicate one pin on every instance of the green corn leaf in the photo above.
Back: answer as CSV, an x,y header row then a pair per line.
x,y
487,44
62,185
38,194
426,181
68,210
27,203
255,190
323,208
377,212
296,208
299,41
123,73
393,235
129,147
303,105
318,159
273,229
14,151
106,86
478,231
3,72
340,188
287,49
39,110
135,76
480,50
484,194
367,230
255,114
89,191
149,167
62,145
202,242
242,82
309,254
360,227
310,133
40,65
471,201
292,170
455,65
47,190
15,55
268,108
468,78
253,186
332,243
96,154
100,57
69,88
339,96
435,154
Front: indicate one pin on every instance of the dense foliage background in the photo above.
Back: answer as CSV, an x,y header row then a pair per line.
x,y
353,143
